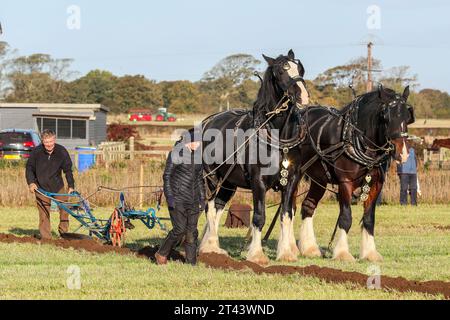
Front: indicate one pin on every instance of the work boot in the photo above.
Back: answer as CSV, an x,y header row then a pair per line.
x,y
160,259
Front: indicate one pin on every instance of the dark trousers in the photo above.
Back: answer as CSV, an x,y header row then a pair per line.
x,y
45,229
184,224
408,182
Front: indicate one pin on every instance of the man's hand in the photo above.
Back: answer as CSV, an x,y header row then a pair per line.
x,y
71,190
33,187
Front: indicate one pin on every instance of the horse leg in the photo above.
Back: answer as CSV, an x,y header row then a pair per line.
x,y
368,249
307,242
210,241
341,250
287,249
255,251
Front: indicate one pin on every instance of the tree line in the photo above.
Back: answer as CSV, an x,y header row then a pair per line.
x,y
231,83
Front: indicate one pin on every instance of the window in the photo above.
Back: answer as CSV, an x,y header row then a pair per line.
x,y
48,123
39,124
64,128
78,129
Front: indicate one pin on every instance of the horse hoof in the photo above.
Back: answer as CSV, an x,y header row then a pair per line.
x,y
344,256
259,259
372,256
312,252
287,257
294,249
222,252
213,249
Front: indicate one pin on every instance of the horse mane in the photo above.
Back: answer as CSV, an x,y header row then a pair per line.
x,y
367,101
267,96
369,109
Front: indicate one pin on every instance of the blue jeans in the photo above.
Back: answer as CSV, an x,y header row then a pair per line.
x,y
408,182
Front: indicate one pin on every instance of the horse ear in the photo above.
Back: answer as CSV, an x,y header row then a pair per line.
x,y
269,60
406,93
412,116
291,55
381,92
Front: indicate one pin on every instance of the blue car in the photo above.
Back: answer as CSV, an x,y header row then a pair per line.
x,y
16,144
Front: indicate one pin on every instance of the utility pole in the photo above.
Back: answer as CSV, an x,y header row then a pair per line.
x,y
369,67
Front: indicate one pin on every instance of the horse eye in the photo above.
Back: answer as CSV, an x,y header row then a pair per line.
x,y
286,66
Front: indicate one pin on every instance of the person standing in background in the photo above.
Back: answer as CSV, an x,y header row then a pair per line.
x,y
407,173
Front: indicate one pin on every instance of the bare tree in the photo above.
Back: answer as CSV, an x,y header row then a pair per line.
x,y
6,58
237,68
399,77
354,72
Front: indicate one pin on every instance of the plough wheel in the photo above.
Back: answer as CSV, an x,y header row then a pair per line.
x,y
117,229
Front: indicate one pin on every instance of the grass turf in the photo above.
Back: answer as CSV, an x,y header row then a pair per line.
x,y
413,241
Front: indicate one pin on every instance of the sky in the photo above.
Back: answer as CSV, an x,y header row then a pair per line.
x,y
181,40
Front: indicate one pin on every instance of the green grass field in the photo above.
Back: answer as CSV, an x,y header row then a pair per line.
x,y
411,240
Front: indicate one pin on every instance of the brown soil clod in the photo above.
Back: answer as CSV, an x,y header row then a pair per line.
x,y
75,236
218,261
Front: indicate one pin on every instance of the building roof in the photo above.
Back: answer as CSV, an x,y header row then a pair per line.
x,y
72,115
57,107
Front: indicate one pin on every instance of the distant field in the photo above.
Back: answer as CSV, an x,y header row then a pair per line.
x,y
190,119
431,123
182,120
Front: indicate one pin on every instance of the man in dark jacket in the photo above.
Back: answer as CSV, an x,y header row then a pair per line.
x,y
43,170
185,193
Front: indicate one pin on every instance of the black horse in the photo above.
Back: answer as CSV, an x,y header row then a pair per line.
x,y
256,156
350,148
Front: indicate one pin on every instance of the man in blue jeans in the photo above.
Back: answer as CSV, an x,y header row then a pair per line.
x,y
407,173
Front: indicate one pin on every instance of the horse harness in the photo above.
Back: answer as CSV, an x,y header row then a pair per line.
x,y
354,143
285,145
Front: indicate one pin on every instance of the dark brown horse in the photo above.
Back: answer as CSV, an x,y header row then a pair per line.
x,y
350,148
440,143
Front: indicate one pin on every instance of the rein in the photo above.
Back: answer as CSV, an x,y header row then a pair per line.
x,y
281,106
353,145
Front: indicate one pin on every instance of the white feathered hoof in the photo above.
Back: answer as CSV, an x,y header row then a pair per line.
x,y
344,256
286,254
372,256
287,257
259,258
295,250
312,252
212,246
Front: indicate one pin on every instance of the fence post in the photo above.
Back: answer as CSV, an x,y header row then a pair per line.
x,y
105,158
131,148
141,189
76,159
